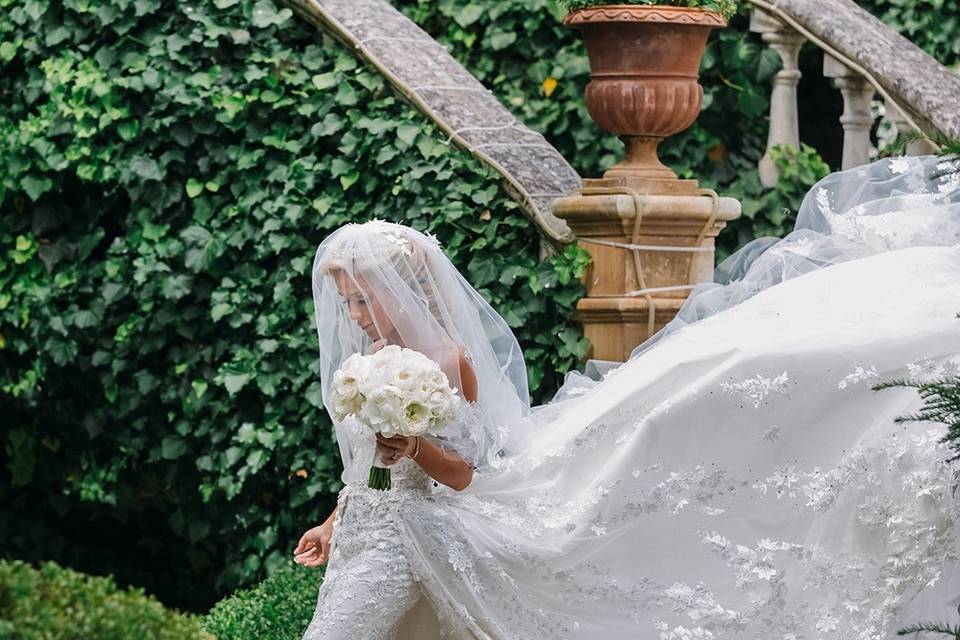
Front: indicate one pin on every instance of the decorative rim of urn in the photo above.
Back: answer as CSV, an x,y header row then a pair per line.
x,y
644,80
644,13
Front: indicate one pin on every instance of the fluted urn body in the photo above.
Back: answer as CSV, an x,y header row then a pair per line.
x,y
644,70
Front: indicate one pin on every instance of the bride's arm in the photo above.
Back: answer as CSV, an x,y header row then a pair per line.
x,y
443,465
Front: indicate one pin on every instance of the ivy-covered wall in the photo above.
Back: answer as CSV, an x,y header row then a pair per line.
x,y
168,170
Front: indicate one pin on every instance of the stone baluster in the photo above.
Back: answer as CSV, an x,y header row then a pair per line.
x,y
917,147
856,119
784,121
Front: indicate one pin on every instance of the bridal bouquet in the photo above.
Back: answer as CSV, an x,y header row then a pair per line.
x,y
396,391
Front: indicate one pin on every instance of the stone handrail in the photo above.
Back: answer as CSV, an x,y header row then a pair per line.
x,y
863,56
422,70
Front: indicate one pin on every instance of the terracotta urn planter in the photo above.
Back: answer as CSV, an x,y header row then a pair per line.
x,y
644,70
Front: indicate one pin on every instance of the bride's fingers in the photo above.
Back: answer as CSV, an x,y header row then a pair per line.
x,y
306,552
305,558
316,560
303,545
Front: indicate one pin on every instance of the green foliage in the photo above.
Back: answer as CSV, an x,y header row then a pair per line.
x,y
773,212
725,7
933,25
941,403
52,603
279,608
169,170
931,627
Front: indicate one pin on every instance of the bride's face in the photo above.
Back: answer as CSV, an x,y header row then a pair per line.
x,y
364,307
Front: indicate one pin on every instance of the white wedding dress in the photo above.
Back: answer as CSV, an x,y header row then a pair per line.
x,y
736,478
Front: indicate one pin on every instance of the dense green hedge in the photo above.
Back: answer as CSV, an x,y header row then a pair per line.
x,y
53,603
168,171
279,608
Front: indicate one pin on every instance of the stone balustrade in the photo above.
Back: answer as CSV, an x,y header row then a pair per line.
x,y
866,61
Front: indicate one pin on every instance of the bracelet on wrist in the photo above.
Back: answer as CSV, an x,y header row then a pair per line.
x,y
416,451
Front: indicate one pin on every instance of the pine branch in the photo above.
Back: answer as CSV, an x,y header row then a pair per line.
x,y
949,149
931,627
941,403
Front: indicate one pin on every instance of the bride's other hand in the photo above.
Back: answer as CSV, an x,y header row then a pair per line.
x,y
391,450
376,346
314,546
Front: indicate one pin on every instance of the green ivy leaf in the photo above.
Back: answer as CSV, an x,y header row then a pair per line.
x,y
36,187
314,395
407,133
349,179
265,14
146,168
234,382
502,40
323,81
172,448
194,187
8,50
203,248
468,15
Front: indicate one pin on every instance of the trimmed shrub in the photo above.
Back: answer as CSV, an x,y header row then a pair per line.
x,y
279,608
53,603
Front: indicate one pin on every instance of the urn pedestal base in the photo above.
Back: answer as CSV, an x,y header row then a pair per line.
x,y
640,274
614,326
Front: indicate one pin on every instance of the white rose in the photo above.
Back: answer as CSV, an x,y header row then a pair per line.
x,y
346,385
416,419
443,406
343,406
383,410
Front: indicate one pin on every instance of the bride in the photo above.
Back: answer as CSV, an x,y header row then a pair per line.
x,y
737,477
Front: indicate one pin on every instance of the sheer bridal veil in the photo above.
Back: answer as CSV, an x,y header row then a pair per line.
x,y
400,281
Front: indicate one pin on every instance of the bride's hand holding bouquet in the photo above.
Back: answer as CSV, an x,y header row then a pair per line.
x,y
401,395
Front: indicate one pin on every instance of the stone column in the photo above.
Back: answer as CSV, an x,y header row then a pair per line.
x,y
784,121
856,119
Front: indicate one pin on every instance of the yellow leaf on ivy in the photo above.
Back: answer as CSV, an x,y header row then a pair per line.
x,y
301,473
3,342
549,85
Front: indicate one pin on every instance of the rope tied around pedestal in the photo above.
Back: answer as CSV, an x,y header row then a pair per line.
x,y
635,247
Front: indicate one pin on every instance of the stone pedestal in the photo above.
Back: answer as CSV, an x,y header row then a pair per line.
x,y
605,210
